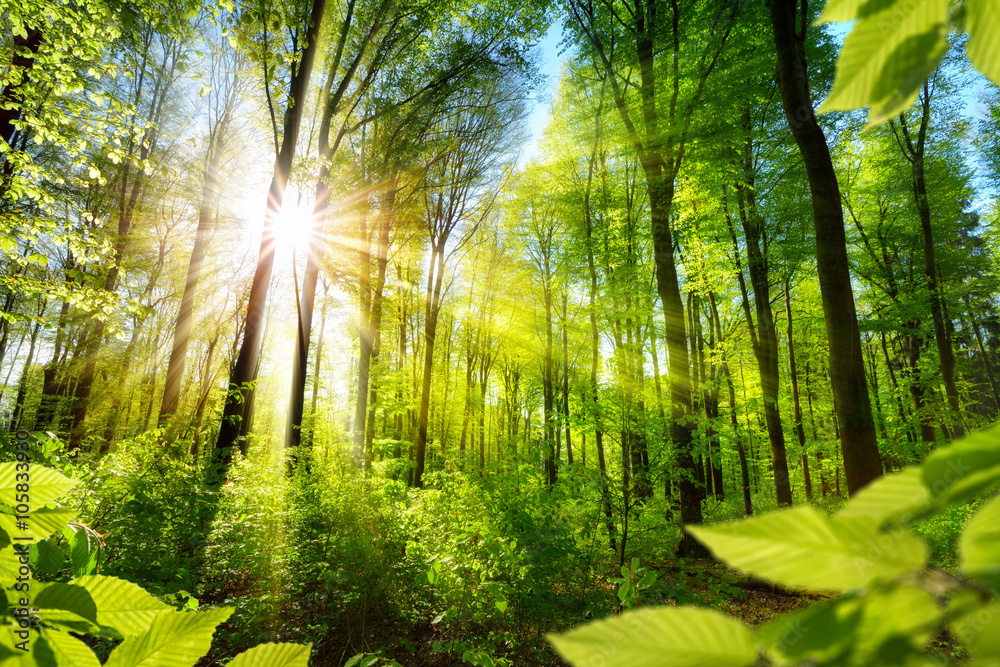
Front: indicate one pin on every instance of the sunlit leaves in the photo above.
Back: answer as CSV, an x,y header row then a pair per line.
x,y
274,655
172,638
965,468
896,44
887,56
898,497
41,485
680,637
982,22
804,547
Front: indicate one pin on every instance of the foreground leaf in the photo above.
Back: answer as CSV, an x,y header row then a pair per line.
x,y
121,604
804,547
675,636
44,484
40,523
66,597
887,55
979,545
823,633
174,639
898,497
69,650
274,655
965,468
982,22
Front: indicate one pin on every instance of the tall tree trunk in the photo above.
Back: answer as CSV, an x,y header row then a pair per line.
x,y
914,152
595,340
435,276
766,350
22,386
800,431
565,382
548,385
318,366
861,458
185,315
244,376
366,336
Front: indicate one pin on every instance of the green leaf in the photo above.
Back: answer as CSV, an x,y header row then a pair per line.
x,y
899,497
848,10
274,655
856,630
982,22
899,621
69,650
40,523
66,597
44,484
824,632
979,546
965,468
174,638
121,604
83,550
979,630
887,56
676,636
804,547
624,591
47,557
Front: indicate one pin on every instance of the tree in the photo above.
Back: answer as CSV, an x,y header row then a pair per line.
x,y
305,31
789,20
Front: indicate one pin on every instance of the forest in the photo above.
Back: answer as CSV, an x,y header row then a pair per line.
x,y
499,332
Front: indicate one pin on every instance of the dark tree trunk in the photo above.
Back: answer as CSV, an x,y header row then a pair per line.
x,y
915,154
435,276
244,375
861,458
793,375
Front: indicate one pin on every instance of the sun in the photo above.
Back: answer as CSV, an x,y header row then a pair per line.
x,y
295,224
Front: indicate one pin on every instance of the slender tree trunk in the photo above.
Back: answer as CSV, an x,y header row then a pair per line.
x,y
565,382
185,315
548,385
435,276
800,431
244,376
22,386
987,365
318,366
914,152
595,340
861,458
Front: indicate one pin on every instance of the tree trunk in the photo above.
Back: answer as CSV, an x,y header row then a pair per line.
x,y
914,152
435,276
800,431
243,377
185,315
861,458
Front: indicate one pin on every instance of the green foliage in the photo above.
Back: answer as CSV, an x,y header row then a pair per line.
x,y
153,509
634,582
896,44
890,605
38,617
